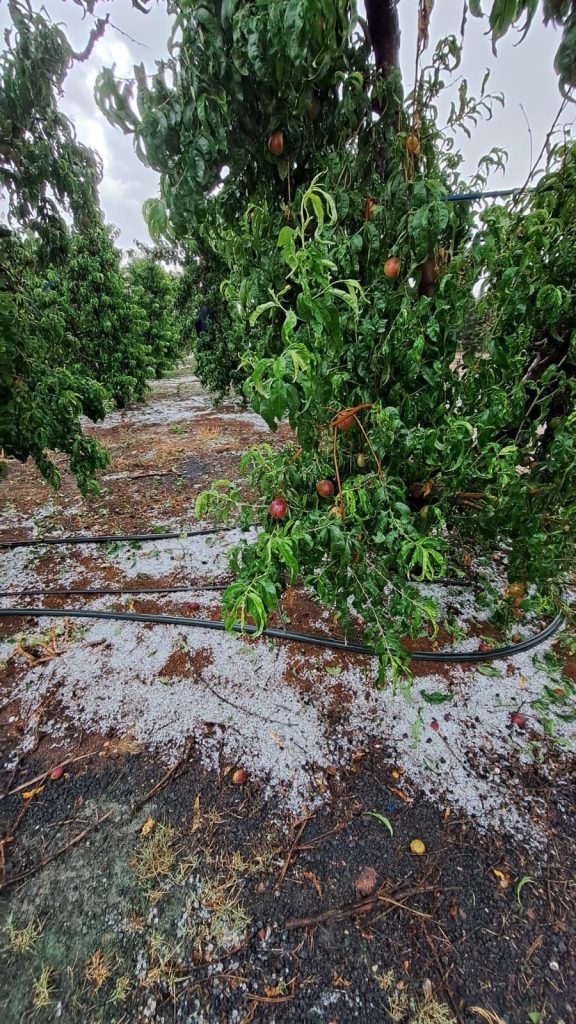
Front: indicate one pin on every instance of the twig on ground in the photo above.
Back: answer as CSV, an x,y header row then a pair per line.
x,y
323,835
359,907
444,976
288,858
170,774
44,775
273,1000
63,849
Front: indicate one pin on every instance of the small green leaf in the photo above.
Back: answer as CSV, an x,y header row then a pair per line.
x,y
435,697
333,670
487,670
381,819
526,880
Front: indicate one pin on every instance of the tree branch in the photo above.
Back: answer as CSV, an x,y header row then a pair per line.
x,y
95,34
384,31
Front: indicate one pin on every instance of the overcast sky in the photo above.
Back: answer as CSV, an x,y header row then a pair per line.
x,y
524,73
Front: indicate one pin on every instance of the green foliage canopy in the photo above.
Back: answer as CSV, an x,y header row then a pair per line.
x,y
432,445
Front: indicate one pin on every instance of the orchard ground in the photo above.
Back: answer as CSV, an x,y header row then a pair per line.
x,y
270,876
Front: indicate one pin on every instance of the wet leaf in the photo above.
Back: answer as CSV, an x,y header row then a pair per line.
x,y
502,877
435,697
312,878
526,880
381,819
29,793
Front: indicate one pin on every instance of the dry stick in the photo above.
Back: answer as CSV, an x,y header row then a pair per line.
x,y
323,835
42,864
443,974
286,863
378,463
170,774
534,166
44,775
269,1000
360,907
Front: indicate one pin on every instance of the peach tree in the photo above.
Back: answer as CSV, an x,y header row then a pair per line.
x,y
424,363
46,176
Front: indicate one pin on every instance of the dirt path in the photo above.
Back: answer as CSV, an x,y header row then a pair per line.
x,y
187,908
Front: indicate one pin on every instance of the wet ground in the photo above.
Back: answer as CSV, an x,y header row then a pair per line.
x,y
273,874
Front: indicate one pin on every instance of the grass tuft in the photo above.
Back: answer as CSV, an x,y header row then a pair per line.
x,y
22,940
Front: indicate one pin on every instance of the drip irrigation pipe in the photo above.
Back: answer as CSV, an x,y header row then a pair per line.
x,y
471,197
448,657
120,537
115,590
180,589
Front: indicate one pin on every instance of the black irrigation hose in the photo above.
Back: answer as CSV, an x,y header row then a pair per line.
x,y
472,197
448,657
180,589
120,537
94,591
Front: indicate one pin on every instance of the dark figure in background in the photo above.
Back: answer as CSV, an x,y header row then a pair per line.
x,y
202,319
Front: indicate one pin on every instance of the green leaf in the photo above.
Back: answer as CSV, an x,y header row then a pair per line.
x,y
487,670
435,697
156,217
526,880
381,819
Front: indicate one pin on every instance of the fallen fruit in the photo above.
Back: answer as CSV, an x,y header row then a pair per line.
x,y
194,605
413,145
518,719
239,777
366,881
337,510
392,268
483,646
278,508
434,725
453,910
57,772
368,207
324,488
559,692
276,143
417,847
361,460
